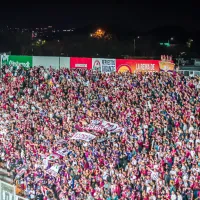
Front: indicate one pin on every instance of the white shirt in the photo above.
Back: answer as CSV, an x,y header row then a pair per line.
x,y
179,197
192,153
32,194
191,129
154,175
173,197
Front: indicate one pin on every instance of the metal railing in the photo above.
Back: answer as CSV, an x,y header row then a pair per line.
x,y
189,73
8,192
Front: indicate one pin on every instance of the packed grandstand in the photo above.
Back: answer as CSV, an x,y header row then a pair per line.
x,y
82,134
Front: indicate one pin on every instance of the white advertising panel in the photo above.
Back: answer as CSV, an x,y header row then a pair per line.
x,y
104,65
64,62
46,61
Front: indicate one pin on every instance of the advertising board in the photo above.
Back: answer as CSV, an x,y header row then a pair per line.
x,y
64,62
104,65
16,61
166,66
133,66
54,62
46,61
80,63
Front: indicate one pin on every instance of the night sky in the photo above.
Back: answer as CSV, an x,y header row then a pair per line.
x,y
138,15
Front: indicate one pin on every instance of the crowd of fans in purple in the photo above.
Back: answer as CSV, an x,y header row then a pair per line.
x,y
154,156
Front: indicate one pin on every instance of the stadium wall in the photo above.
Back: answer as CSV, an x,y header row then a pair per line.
x,y
54,62
105,65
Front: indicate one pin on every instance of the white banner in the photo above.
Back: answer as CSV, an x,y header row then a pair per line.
x,y
110,126
93,127
46,160
83,136
63,152
53,171
113,127
53,157
104,65
61,141
99,126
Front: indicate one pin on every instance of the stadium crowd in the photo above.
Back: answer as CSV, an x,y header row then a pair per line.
x,y
154,154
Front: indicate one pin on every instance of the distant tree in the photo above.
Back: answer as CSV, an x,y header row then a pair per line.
x,y
17,43
48,48
24,42
101,34
145,46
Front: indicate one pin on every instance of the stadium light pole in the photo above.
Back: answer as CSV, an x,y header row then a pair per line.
x,y
134,43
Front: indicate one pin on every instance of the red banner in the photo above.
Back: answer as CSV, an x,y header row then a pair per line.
x,y
123,65
80,63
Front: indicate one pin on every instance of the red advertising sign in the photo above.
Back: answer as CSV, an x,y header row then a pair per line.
x,y
80,63
123,65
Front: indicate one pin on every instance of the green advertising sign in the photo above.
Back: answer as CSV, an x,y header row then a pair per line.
x,y
16,61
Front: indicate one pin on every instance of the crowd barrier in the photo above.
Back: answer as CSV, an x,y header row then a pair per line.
x,y
8,192
105,65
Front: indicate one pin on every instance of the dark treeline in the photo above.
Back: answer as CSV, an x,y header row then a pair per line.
x,y
83,45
